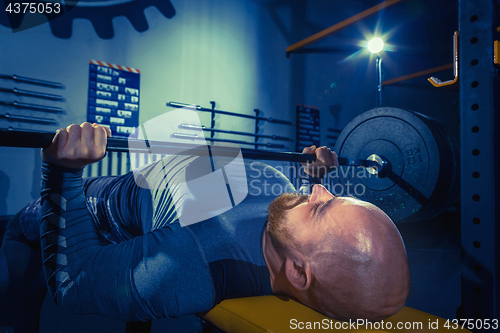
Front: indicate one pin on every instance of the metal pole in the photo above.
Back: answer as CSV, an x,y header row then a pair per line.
x,y
378,68
480,161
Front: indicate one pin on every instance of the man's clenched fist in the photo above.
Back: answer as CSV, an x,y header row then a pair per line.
x,y
77,146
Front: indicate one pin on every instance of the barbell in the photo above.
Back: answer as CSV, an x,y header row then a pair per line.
x,y
413,160
30,139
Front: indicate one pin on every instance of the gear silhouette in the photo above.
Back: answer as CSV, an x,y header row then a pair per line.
x,y
100,13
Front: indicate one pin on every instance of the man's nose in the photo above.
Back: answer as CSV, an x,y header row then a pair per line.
x,y
319,192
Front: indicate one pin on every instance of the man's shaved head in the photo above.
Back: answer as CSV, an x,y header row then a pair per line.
x,y
352,251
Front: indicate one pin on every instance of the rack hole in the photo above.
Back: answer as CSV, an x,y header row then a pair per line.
x,y
474,84
473,40
476,244
476,220
473,18
475,129
476,197
474,62
474,107
475,174
477,291
475,152
477,268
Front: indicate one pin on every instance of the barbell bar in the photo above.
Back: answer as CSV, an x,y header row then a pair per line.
x,y
32,139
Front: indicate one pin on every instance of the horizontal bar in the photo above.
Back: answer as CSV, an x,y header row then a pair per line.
x,y
208,129
334,130
44,108
26,139
195,137
37,120
241,115
31,93
341,25
29,80
417,74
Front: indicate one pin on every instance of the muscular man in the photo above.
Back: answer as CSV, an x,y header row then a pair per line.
x,y
114,248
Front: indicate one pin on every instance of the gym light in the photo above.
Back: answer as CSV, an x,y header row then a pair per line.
x,y
375,45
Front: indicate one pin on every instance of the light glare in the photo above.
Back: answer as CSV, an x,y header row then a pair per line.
x,y
375,45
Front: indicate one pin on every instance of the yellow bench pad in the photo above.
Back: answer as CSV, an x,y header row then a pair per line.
x,y
276,314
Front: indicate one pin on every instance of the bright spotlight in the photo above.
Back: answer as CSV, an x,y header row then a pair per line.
x,y
375,45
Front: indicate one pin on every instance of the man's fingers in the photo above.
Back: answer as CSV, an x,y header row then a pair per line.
x,y
309,150
59,140
74,133
108,131
327,156
87,134
324,154
100,139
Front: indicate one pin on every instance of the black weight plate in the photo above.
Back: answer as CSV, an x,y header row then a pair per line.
x,y
446,191
408,143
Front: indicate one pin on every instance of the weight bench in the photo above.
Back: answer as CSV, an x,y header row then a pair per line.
x,y
275,314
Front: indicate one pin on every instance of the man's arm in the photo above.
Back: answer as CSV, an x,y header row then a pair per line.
x,y
132,280
72,254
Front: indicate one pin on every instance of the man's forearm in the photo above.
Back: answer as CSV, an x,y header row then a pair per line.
x,y
81,271
64,212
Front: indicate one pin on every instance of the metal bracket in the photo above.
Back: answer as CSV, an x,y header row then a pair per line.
x,y
437,82
257,128
496,53
212,119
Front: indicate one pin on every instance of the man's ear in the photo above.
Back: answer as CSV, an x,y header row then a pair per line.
x,y
298,271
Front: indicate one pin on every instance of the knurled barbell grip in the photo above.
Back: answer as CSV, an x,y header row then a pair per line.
x,y
30,139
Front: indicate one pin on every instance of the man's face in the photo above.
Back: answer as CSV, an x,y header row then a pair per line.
x,y
296,220
350,248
